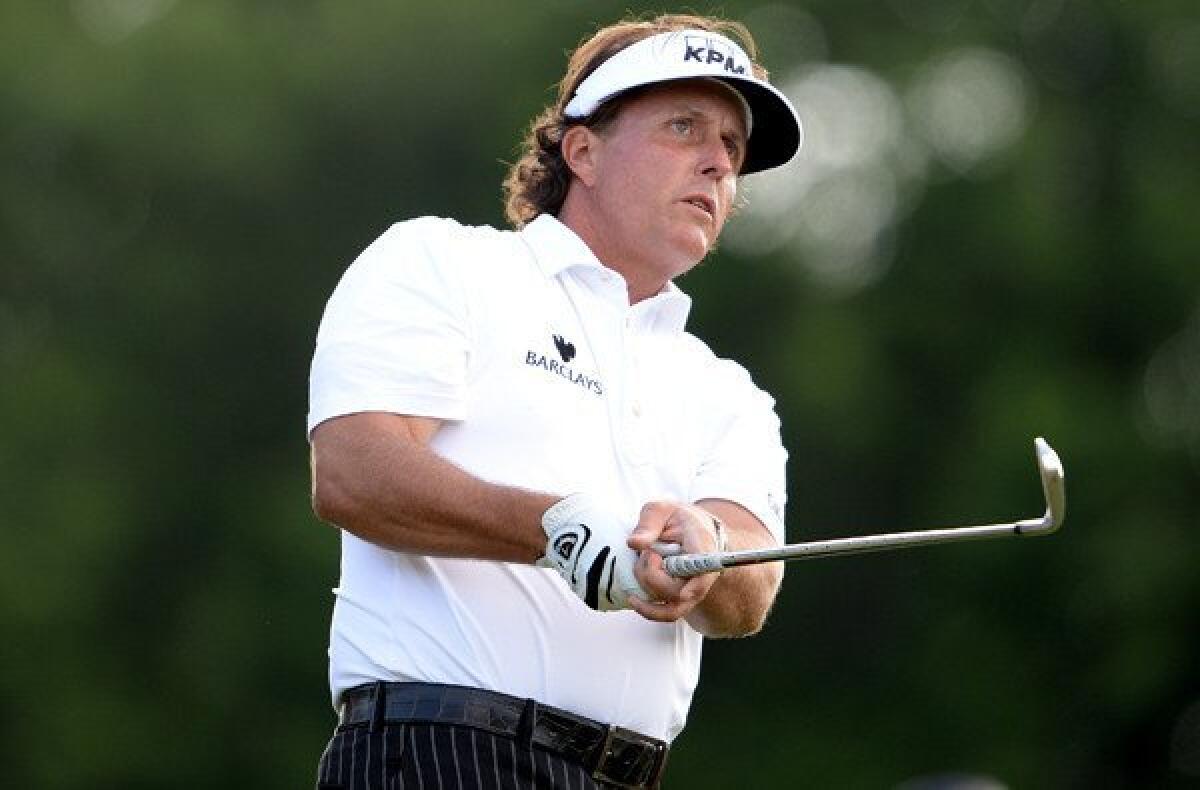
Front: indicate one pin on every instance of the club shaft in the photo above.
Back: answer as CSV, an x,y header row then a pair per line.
x,y
685,565
1049,467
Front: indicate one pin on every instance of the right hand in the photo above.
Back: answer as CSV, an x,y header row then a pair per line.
x,y
586,544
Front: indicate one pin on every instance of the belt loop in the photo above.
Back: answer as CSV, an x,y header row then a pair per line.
x,y
528,721
378,706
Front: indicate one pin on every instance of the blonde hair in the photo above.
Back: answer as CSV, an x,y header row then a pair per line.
x,y
538,181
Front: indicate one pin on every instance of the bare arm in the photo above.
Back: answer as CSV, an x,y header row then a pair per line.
x,y
374,476
734,602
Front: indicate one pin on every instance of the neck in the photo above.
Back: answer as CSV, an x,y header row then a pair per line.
x,y
609,252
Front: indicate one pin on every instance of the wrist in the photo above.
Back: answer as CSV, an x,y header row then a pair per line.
x,y
558,515
564,511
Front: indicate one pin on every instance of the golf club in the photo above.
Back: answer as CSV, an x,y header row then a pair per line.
x,y
1049,467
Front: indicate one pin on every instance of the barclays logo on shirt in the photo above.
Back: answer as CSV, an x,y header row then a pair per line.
x,y
566,350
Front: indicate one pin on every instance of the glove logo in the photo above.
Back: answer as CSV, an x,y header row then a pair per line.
x,y
569,544
564,545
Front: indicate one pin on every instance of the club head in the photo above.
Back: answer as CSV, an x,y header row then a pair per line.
x,y
1050,469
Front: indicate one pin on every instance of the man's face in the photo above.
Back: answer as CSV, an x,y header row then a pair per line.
x,y
663,181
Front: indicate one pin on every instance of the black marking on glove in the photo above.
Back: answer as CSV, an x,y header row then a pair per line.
x,y
595,574
569,545
612,572
564,545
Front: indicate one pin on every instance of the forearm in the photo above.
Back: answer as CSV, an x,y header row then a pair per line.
x,y
739,601
375,477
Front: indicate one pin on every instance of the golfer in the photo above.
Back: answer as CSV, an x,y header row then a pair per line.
x,y
503,422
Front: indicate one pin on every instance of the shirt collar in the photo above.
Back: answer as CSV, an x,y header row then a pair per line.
x,y
557,248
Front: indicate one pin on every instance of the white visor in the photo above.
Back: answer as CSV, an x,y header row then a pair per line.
x,y
774,128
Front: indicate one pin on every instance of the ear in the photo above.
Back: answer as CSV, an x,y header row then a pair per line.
x,y
579,148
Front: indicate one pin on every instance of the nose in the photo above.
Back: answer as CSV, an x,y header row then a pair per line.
x,y
716,161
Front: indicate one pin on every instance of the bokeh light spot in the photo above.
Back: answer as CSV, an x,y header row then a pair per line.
x,y
969,106
111,21
830,206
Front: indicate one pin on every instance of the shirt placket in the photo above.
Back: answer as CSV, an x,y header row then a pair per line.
x,y
632,415
614,341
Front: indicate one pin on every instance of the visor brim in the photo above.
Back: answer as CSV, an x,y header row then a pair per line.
x,y
777,134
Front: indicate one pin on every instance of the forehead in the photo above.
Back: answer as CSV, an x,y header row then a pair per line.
x,y
707,97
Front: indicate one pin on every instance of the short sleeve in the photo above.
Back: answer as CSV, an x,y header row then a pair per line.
x,y
395,335
745,461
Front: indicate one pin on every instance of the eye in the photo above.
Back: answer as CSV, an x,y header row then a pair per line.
x,y
683,126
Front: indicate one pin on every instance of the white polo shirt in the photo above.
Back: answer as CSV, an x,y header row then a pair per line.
x,y
526,345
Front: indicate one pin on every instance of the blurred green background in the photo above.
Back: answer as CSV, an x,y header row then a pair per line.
x,y
992,233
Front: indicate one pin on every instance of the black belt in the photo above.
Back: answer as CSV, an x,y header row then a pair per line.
x,y
612,754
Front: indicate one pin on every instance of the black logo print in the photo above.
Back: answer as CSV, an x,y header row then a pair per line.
x,y
564,545
701,50
566,349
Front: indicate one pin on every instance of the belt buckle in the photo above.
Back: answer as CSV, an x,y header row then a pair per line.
x,y
606,752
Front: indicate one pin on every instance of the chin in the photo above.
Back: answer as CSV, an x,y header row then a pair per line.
x,y
695,250
680,252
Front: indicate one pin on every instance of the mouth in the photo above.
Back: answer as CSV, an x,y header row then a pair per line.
x,y
704,203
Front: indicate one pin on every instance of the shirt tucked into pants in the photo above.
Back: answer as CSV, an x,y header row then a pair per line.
x,y
393,735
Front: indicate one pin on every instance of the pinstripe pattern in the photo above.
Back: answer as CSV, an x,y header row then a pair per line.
x,y
495,761
383,759
416,757
454,748
441,757
437,767
474,754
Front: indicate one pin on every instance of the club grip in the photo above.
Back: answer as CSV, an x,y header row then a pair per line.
x,y
684,565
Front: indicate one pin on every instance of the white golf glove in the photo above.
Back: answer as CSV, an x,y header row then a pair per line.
x,y
586,545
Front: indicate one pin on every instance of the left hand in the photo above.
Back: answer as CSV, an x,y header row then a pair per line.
x,y
667,598
586,546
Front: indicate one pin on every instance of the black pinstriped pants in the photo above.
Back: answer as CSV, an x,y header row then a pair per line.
x,y
441,757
